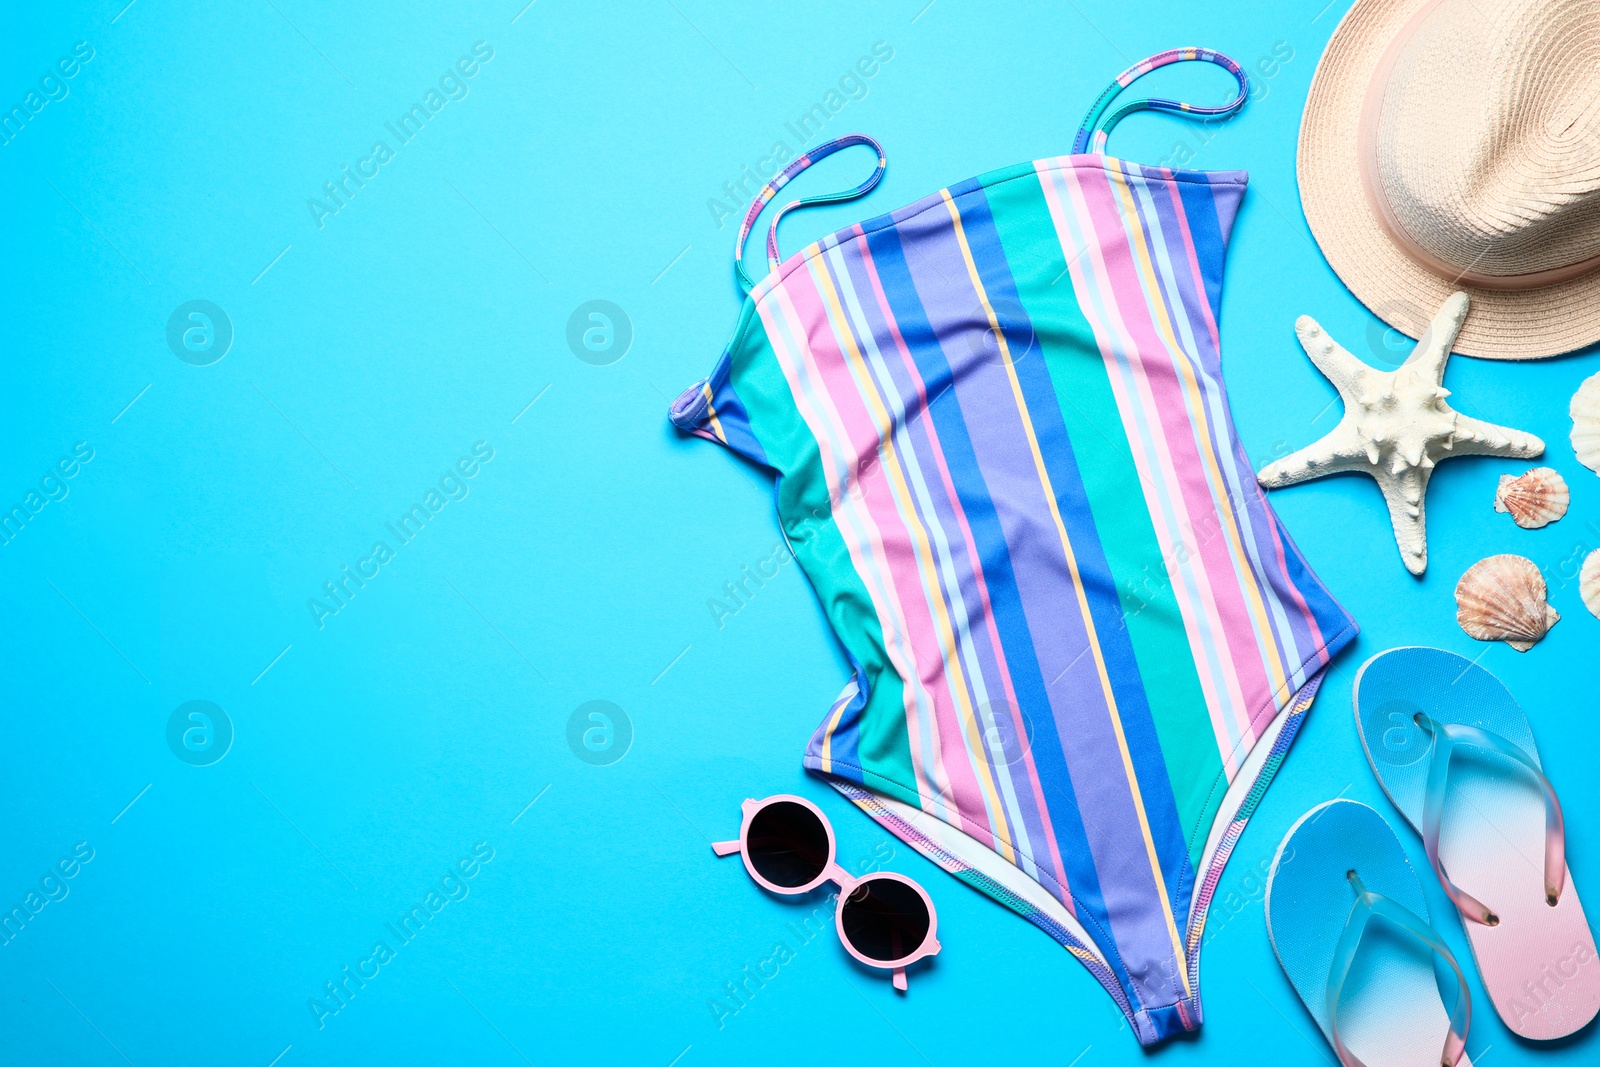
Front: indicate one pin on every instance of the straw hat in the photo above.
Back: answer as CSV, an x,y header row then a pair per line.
x,y
1455,144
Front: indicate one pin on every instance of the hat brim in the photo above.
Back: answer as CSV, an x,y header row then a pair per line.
x,y
1503,324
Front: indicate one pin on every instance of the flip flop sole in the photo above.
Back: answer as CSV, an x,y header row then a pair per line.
x,y
1539,964
1391,1013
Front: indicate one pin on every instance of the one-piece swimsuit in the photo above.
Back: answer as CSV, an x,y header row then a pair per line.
x,y
1081,640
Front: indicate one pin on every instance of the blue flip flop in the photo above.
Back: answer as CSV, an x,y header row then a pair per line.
x,y
1455,754
1349,925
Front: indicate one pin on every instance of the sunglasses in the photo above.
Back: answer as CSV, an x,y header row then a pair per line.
x,y
885,920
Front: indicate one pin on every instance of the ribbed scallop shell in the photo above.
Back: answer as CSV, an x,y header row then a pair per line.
x,y
1503,598
1589,583
1535,499
1585,411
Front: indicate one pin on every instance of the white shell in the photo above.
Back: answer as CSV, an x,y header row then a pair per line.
x,y
1589,583
1503,598
1535,499
1585,411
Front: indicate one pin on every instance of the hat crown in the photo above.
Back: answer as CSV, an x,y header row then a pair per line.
x,y
1486,147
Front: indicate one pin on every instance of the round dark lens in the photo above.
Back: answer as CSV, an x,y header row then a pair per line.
x,y
885,919
787,844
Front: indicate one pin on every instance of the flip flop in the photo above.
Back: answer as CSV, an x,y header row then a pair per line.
x,y
1455,754
1349,924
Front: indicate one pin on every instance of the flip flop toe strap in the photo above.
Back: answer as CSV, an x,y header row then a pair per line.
x,y
1446,738
1368,905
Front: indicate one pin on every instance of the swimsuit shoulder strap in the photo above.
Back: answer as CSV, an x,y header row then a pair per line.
x,y
770,190
1097,123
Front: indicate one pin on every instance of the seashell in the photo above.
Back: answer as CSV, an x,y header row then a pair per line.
x,y
1589,583
1535,499
1585,411
1503,598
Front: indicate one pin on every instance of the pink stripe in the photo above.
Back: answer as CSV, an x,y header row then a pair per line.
x,y
976,561
828,365
1287,584
860,535
1113,336
1183,465
1287,648
1201,296
1267,714
1283,645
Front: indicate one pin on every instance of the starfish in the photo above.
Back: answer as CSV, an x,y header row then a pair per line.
x,y
1396,426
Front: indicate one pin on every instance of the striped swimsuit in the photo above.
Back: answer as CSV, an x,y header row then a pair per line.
x,y
1081,640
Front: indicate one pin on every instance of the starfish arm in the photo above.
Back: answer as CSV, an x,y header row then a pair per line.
x,y
1433,349
1405,492
1332,359
1474,437
1339,451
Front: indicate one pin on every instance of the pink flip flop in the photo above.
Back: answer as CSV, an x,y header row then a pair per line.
x,y
1455,754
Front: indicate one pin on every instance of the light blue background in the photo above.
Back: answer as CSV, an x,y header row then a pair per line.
x,y
426,715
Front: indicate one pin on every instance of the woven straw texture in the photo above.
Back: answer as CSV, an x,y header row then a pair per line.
x,y
1484,139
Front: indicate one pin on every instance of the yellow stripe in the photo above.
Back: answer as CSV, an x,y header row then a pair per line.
x,y
827,736
925,564
711,413
1078,588
1191,387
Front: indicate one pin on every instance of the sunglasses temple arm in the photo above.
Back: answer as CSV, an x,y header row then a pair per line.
x,y
900,979
725,848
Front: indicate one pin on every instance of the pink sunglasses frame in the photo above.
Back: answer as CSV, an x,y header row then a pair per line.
x,y
847,883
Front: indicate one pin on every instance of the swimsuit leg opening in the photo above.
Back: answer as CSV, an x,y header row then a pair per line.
x,y
1038,906
1249,788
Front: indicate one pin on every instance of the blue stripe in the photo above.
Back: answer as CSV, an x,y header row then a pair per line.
x,y
1116,646
1005,599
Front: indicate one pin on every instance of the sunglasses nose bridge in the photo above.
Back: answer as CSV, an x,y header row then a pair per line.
x,y
840,877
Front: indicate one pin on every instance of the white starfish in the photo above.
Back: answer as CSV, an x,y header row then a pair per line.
x,y
1396,426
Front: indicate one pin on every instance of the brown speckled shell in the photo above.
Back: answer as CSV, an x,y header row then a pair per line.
x,y
1534,499
1503,598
